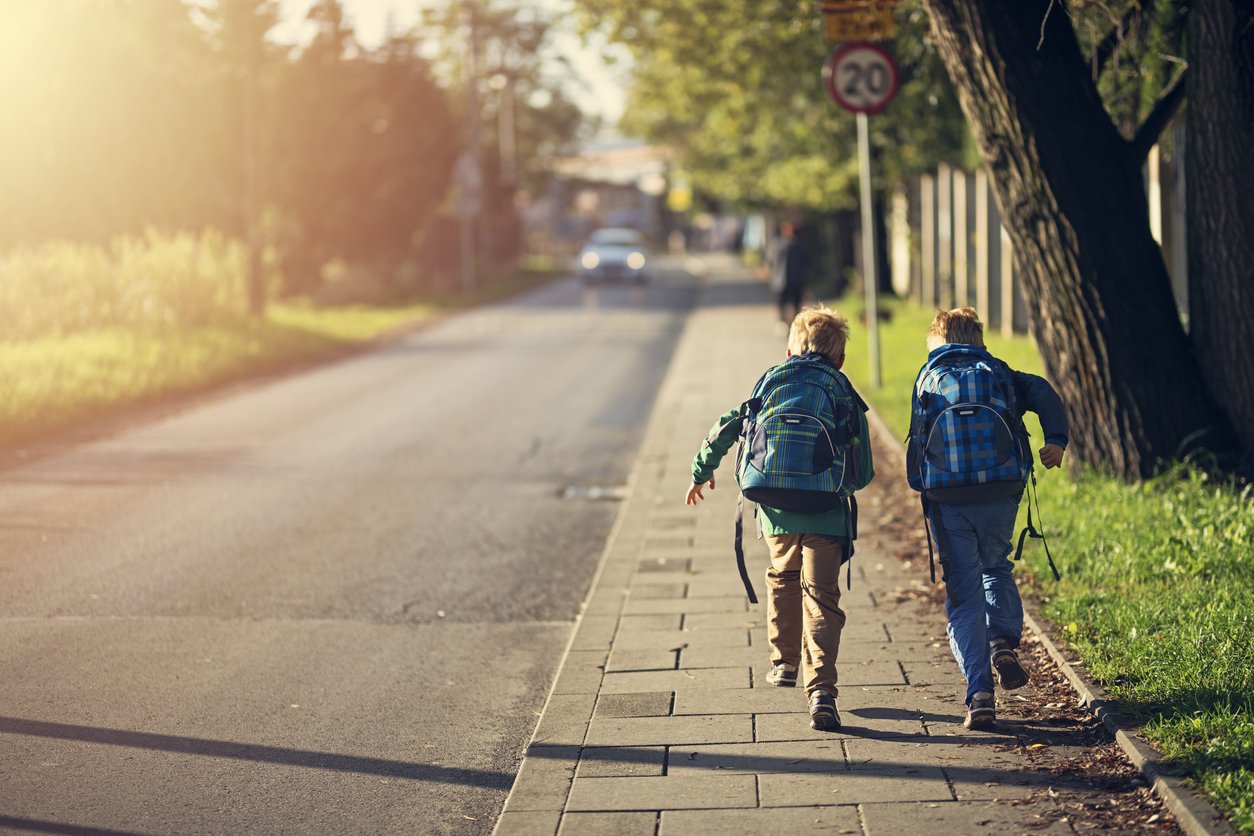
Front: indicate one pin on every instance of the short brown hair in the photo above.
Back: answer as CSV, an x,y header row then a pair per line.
x,y
820,330
960,325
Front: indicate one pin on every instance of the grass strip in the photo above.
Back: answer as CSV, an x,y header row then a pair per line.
x,y
57,382
1157,595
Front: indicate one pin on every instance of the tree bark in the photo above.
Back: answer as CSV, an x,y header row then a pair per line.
x,y
1220,196
1070,192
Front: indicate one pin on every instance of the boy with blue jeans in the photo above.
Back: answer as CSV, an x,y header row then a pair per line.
x,y
974,537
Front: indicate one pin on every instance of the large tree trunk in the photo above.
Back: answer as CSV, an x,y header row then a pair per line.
x,y
1071,196
1220,183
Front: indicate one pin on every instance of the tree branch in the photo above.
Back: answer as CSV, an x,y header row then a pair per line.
x,y
1106,48
1164,109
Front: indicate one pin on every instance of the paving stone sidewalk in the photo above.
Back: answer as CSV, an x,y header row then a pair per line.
x,y
661,721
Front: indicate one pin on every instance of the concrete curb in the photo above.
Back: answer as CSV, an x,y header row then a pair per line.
x,y
1195,814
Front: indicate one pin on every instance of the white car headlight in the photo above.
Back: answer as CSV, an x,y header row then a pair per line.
x,y
589,260
635,260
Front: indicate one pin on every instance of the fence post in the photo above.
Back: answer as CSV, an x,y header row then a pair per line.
x,y
1007,285
962,290
982,242
944,235
927,222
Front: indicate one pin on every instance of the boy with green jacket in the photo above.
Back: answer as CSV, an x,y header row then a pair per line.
x,y
804,618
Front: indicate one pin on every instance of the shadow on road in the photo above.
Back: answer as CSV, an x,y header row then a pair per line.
x,y
252,752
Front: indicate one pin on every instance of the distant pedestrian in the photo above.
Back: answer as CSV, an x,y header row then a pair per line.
x,y
804,618
788,278
969,456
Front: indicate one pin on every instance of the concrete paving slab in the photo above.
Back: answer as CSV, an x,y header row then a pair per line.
x,y
670,731
667,793
852,670
581,672
595,632
675,680
904,703
641,660
740,701
826,820
673,521
609,824
974,784
910,784
668,565
754,617
527,824
565,720
622,762
643,704
630,639
669,542
544,778
655,621
908,652
645,592
688,606
770,728
958,817
710,584
760,758
972,752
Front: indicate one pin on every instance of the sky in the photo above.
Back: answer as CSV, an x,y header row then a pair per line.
x,y
602,92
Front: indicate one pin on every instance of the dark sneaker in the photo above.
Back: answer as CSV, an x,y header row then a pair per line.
x,y
823,714
782,676
1010,671
981,713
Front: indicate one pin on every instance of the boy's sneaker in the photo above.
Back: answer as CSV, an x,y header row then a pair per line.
x,y
981,713
823,714
782,676
1010,671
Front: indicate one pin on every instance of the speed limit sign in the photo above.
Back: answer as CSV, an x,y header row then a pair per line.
x,y
861,77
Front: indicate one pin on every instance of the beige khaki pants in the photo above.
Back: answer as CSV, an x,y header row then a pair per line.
x,y
804,618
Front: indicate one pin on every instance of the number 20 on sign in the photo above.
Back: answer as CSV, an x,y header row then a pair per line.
x,y
861,77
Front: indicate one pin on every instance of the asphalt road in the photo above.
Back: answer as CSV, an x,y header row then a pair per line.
x,y
331,603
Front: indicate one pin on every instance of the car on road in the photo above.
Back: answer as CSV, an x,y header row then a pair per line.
x,y
614,253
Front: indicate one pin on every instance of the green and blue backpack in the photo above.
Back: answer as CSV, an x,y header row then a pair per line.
x,y
804,445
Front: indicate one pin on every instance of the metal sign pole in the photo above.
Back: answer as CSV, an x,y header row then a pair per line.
x,y
869,277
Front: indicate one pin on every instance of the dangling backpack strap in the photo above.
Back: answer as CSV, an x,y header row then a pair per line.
x,y
1030,530
740,549
851,517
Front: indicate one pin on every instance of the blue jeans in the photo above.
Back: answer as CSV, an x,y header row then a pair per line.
x,y
983,602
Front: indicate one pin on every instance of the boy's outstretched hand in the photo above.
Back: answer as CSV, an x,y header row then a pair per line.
x,y
694,493
1051,455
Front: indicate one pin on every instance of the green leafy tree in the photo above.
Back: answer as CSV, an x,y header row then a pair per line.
x,y
362,143
736,88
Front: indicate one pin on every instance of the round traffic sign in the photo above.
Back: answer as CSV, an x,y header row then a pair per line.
x,y
861,77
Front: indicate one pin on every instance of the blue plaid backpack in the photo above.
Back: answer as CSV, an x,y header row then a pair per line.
x,y
967,442
804,445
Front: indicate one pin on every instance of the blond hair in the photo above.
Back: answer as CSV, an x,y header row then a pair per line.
x,y
960,325
820,330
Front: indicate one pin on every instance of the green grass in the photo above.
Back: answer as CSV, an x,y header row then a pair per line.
x,y
126,338
1157,595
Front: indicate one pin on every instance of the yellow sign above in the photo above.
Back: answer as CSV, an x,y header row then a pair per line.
x,y
866,22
